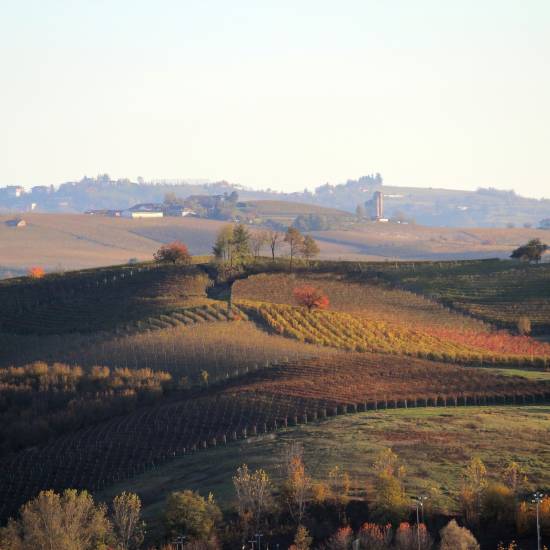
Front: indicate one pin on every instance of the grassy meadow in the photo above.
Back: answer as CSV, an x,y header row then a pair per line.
x,y
433,444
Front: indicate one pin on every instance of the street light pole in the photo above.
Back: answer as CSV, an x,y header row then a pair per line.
x,y
537,499
419,501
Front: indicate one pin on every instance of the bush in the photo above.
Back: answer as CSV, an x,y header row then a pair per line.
x,y
36,272
524,326
454,537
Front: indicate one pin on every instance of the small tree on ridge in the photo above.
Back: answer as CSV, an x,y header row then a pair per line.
x,y
311,297
175,252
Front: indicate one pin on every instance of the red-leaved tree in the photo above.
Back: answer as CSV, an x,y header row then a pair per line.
x,y
311,297
176,253
36,272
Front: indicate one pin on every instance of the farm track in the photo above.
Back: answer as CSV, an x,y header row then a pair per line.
x,y
263,401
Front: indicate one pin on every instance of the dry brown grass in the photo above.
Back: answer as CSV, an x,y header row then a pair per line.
x,y
421,242
76,241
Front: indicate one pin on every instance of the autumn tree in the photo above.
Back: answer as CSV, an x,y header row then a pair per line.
x,y
253,491
310,248
498,504
294,239
176,253
302,540
66,521
530,252
454,537
473,487
297,485
415,537
339,489
376,537
390,503
310,297
189,514
36,272
127,523
341,540
274,240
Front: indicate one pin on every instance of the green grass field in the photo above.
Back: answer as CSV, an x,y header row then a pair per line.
x,y
434,444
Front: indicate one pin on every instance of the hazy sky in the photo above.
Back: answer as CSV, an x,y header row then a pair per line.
x,y
284,94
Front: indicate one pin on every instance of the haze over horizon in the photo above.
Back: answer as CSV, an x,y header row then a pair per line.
x,y
284,95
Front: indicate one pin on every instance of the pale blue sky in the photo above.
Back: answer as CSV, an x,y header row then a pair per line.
x,y
284,93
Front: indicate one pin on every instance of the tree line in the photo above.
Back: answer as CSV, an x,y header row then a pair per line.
x,y
299,513
235,245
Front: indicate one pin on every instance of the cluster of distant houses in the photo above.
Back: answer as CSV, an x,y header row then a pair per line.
x,y
195,205
145,210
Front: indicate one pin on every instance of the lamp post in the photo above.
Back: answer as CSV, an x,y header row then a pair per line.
x,y
419,501
537,499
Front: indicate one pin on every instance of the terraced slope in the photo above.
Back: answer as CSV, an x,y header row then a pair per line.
x,y
499,292
100,299
344,331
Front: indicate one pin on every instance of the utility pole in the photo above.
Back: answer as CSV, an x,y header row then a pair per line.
x,y
537,499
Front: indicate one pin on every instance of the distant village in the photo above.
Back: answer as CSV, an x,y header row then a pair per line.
x,y
366,199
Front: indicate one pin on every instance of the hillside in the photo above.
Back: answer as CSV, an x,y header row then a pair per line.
x,y
485,207
75,241
397,241
135,377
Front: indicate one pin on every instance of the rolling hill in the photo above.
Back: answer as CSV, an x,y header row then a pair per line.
x,y
75,241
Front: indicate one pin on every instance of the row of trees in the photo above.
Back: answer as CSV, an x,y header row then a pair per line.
x,y
236,245
300,504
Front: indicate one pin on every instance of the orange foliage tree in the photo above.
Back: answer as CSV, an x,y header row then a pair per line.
x,y
36,272
175,253
311,297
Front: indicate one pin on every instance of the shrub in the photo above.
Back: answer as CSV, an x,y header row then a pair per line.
x,y
36,272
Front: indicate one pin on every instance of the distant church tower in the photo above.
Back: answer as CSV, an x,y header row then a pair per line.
x,y
378,200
